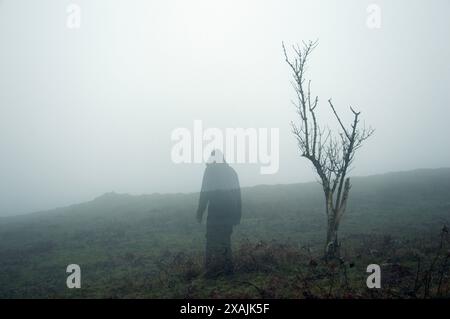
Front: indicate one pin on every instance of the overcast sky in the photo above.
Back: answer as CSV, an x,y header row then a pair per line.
x,y
91,110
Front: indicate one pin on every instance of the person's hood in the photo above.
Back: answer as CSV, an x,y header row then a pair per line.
x,y
216,157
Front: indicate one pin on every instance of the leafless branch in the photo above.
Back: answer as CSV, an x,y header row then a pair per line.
x,y
331,154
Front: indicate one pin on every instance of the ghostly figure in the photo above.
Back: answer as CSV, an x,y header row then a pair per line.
x,y
222,195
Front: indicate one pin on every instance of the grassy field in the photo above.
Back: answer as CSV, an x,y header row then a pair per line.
x,y
150,246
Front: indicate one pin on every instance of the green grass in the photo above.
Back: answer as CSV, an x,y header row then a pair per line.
x,y
151,247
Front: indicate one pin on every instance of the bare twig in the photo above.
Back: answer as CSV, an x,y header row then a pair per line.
x,y
330,155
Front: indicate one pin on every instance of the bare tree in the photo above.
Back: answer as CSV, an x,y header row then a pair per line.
x,y
330,153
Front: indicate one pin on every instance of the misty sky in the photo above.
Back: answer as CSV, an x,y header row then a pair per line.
x,y
91,110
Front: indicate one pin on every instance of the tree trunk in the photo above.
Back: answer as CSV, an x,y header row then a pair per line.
x,y
332,244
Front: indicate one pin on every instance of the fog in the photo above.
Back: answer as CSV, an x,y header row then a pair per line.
x,y
88,110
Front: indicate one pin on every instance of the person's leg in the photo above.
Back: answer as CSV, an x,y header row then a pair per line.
x,y
218,255
208,253
222,250
212,251
228,259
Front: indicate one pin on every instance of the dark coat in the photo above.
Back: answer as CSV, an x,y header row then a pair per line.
x,y
221,194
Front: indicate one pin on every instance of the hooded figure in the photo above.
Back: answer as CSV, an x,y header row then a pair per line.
x,y
222,195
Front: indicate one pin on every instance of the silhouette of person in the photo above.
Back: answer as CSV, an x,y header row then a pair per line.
x,y
222,195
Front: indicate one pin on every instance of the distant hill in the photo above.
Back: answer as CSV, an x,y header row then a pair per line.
x,y
395,200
